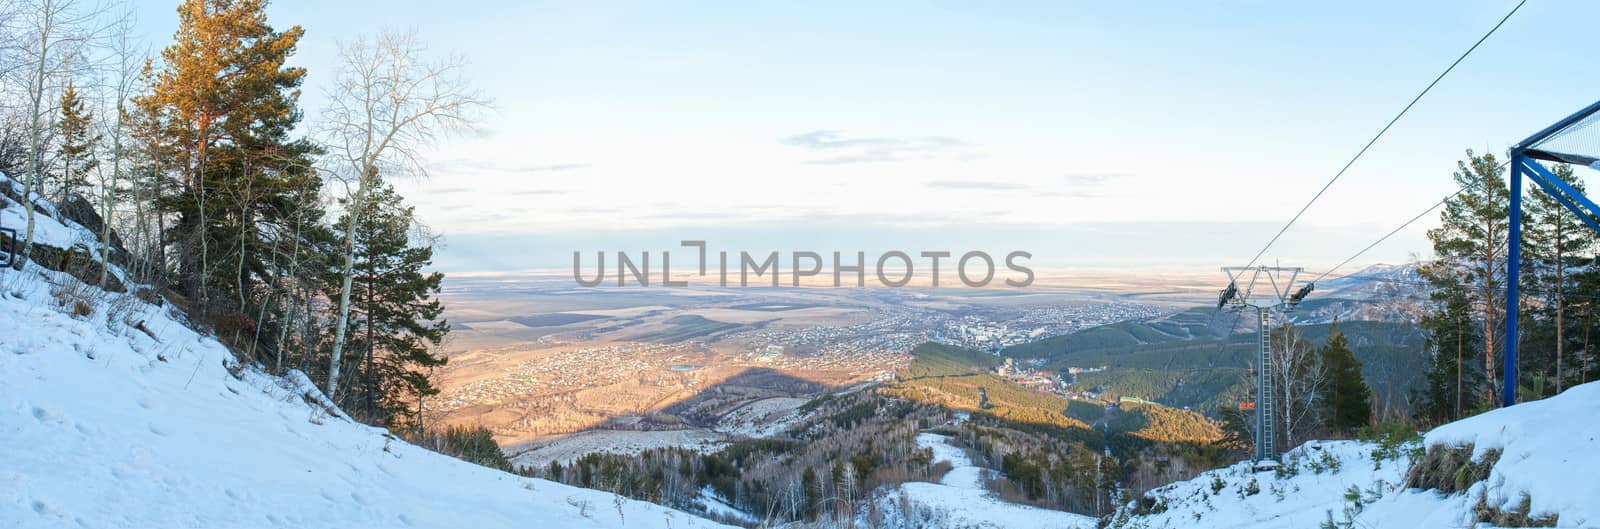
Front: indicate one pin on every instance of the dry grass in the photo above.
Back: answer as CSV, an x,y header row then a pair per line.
x,y
1519,516
1450,469
75,297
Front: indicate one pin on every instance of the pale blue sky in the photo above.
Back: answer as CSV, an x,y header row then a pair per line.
x,y
1153,134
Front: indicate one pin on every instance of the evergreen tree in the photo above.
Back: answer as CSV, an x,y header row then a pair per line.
x,y
1345,404
76,154
1452,382
1553,240
396,312
811,492
1586,286
1470,249
226,101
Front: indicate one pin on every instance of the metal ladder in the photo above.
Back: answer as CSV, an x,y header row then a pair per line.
x,y
1266,416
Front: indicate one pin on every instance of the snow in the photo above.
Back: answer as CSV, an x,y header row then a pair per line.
x,y
960,499
106,426
567,448
762,418
1301,500
716,505
47,229
1548,450
1548,447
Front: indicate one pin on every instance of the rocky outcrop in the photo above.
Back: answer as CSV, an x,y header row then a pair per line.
x,y
78,261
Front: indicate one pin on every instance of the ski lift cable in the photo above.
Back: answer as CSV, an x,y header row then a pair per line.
x,y
1391,233
1397,229
1380,134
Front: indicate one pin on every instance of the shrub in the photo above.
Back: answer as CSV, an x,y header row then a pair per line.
x,y
1289,468
148,295
74,297
473,445
1394,439
1333,464
1250,488
1450,469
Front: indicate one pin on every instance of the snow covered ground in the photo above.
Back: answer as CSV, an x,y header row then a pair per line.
x,y
127,418
762,418
1549,450
715,505
566,448
47,229
960,500
1236,497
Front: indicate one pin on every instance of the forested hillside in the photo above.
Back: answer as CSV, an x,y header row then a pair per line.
x,y
118,413
193,167
1187,360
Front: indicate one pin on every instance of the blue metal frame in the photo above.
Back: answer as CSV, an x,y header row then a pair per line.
x,y
1570,198
1553,186
1509,389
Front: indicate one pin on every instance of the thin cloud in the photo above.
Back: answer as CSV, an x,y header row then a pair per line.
x,y
474,165
555,168
975,185
1095,179
848,150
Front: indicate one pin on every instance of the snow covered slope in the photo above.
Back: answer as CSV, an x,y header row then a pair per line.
x,y
127,418
1236,497
960,499
1550,452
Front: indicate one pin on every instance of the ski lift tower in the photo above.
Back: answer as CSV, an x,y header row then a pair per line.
x,y
1264,288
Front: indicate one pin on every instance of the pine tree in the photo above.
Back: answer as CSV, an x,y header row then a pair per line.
x,y
227,101
1345,404
1451,381
1586,291
1470,249
811,492
76,154
396,312
1553,239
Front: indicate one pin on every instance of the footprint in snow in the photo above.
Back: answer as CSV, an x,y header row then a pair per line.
x,y
47,415
46,508
159,430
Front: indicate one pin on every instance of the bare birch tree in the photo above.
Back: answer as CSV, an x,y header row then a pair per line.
x,y
388,103
124,68
1298,377
54,34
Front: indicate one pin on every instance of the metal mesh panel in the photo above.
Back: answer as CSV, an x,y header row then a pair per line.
x,y
1575,140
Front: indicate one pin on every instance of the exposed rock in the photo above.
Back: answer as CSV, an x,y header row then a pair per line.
x,y
78,261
